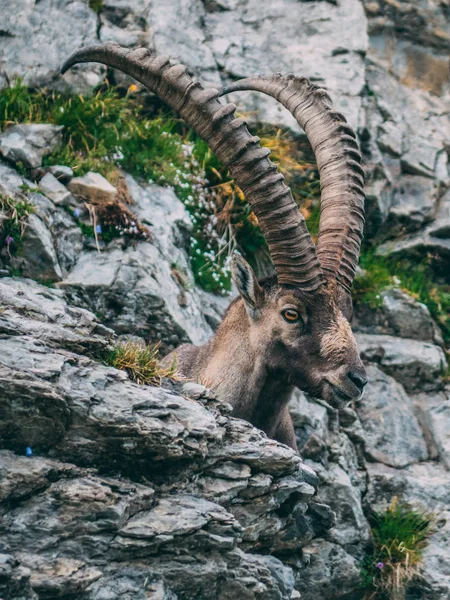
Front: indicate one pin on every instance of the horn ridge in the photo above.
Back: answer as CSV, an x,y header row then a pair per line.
x,y
339,161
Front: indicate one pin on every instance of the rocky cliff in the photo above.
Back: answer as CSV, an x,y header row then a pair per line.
x,y
144,492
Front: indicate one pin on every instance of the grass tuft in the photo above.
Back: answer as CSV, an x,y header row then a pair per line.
x,y
13,217
141,362
400,535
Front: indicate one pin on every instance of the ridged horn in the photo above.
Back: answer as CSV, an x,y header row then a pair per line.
x,y
339,161
291,247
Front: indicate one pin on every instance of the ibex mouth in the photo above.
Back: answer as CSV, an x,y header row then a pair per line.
x,y
339,398
339,394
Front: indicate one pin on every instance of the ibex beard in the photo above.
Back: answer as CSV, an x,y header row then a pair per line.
x,y
291,330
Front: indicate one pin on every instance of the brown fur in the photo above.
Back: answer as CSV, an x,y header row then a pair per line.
x,y
256,358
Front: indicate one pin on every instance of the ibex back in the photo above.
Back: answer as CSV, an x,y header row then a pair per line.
x,y
292,329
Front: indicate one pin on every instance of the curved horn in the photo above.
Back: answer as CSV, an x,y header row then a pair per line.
x,y
291,247
339,161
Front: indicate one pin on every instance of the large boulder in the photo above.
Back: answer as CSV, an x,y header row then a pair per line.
x,y
417,365
392,434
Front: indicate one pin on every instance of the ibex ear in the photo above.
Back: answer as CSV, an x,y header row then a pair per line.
x,y
246,282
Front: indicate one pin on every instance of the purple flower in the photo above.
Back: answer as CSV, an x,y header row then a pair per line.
x,y
76,212
98,228
9,240
379,565
28,451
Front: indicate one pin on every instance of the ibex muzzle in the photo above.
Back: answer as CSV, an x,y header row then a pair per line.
x,y
292,329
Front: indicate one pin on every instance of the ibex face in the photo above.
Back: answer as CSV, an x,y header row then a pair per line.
x,y
302,335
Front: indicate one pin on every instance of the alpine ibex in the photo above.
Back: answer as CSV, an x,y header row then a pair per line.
x,y
291,329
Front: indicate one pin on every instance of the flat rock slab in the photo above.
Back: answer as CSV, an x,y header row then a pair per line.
x,y
416,364
392,433
30,309
54,189
93,188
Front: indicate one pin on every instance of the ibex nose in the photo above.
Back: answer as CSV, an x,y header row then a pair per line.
x,y
358,378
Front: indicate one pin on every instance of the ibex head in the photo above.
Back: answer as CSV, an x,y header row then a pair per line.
x,y
300,318
302,335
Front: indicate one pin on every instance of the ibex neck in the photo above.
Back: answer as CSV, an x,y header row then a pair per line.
x,y
236,369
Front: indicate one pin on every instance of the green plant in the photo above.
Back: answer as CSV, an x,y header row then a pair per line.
x,y
140,362
383,272
46,282
29,189
96,5
400,535
13,216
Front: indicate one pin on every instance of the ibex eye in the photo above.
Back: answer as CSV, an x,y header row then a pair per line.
x,y
291,315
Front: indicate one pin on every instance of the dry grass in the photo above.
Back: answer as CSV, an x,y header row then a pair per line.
x,y
141,362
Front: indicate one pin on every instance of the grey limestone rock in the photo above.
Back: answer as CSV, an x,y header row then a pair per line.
x,y
62,173
54,189
37,257
392,434
52,240
399,315
433,412
93,188
409,318
416,364
433,241
58,27
329,572
29,143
